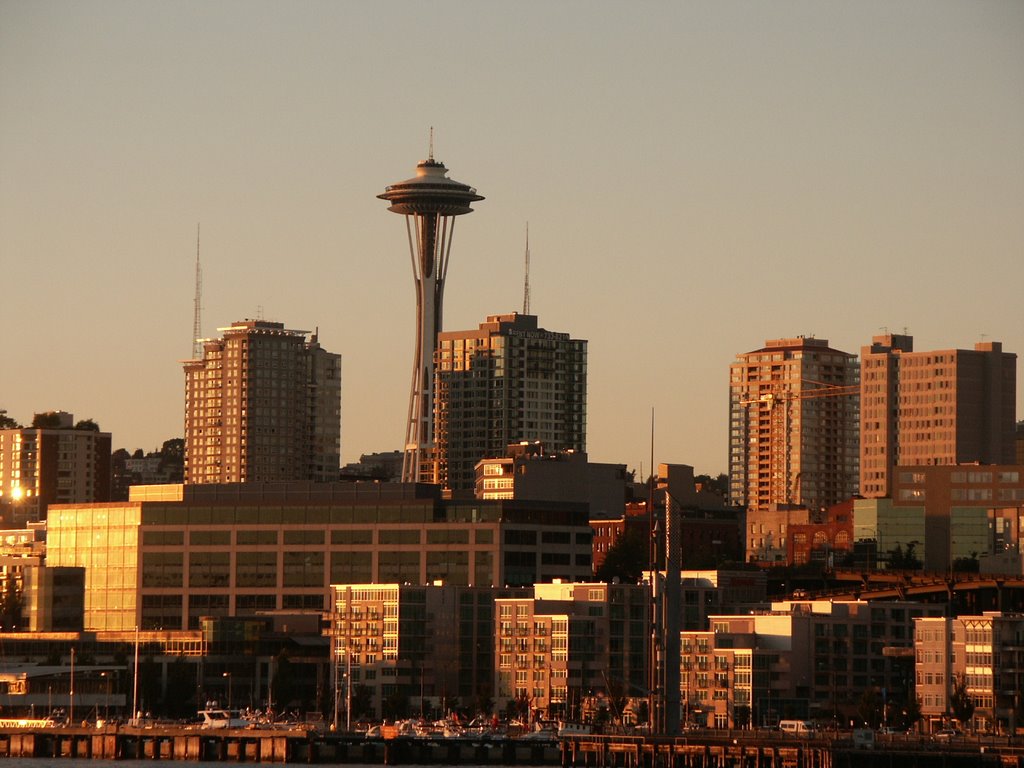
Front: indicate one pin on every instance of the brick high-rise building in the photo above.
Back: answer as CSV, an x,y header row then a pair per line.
x,y
263,404
506,382
948,406
793,425
51,464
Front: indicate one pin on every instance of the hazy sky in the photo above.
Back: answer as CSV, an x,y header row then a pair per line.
x,y
697,177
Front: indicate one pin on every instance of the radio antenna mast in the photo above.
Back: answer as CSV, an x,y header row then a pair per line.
x,y
526,281
197,324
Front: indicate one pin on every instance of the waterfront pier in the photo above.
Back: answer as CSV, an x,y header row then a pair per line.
x,y
311,746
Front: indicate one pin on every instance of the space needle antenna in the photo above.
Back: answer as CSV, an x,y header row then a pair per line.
x,y
430,201
197,312
526,279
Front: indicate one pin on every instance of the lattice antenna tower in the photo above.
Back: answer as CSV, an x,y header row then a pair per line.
x,y
526,272
197,311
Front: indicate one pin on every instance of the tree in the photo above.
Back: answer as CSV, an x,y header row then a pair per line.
x,y
282,688
904,559
180,695
967,564
88,425
626,559
172,459
396,705
719,484
870,707
960,701
149,686
6,422
362,700
483,703
46,421
910,714
173,449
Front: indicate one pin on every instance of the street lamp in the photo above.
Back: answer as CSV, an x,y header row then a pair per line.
x,y
228,676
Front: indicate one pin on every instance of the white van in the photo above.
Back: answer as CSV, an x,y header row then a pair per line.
x,y
797,727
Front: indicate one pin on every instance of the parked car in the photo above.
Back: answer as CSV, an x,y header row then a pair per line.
x,y
945,734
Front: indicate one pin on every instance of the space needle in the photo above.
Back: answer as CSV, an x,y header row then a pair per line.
x,y
430,202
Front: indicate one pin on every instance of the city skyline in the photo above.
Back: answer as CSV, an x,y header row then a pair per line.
x,y
696,179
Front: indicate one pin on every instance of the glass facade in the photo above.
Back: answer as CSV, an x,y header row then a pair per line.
x,y
104,541
233,558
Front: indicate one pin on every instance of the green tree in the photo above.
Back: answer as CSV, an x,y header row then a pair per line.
x,y
6,422
396,705
283,691
483,702
172,459
362,700
967,564
173,448
960,702
870,707
909,714
180,695
626,559
150,699
719,484
46,421
904,559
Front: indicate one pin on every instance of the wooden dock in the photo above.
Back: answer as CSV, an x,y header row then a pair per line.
x,y
305,745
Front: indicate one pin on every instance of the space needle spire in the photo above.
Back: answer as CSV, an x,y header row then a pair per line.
x,y
430,201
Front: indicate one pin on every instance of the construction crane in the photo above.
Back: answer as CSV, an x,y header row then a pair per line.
x,y
785,397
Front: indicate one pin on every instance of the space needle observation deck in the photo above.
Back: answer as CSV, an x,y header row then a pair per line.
x,y
430,201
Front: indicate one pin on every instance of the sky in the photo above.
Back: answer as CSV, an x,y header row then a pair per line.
x,y
697,177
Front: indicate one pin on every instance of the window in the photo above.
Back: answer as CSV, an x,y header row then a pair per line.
x,y
256,569
303,569
209,569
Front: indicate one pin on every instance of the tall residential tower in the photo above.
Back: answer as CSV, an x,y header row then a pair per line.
x,y
262,404
430,201
53,462
793,425
947,406
506,382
